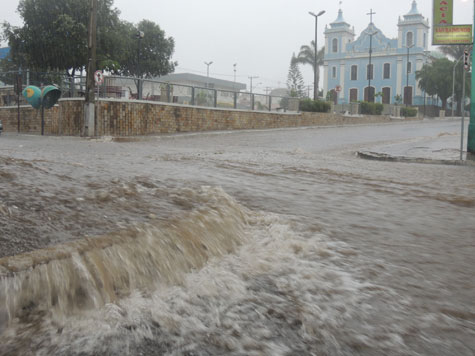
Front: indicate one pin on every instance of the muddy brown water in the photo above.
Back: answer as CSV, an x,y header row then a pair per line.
x,y
277,242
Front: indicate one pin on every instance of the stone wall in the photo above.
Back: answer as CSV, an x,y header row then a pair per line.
x,y
131,118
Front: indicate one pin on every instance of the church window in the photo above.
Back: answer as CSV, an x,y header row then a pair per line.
x,y
335,45
409,39
409,67
387,71
424,40
369,72
333,72
354,72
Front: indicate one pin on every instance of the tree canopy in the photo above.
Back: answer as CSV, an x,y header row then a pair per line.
x,y
306,55
54,37
435,78
295,82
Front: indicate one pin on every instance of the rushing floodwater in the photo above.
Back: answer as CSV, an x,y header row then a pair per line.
x,y
275,242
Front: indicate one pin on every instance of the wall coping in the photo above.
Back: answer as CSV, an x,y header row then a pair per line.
x,y
197,107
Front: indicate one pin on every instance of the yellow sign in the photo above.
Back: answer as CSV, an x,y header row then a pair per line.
x,y
452,35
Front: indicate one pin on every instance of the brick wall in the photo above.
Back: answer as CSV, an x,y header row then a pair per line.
x,y
131,118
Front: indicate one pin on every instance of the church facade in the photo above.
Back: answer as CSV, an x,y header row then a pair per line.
x,y
348,74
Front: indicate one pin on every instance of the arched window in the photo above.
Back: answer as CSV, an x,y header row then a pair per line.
x,y
335,45
424,40
333,72
409,39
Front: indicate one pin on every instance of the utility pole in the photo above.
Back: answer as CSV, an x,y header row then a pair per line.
x,y
89,108
140,35
251,78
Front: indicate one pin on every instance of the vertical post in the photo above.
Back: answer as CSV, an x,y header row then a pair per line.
x,y
463,113
139,36
471,126
168,93
235,100
192,95
407,77
89,109
453,83
139,87
270,102
252,102
215,98
315,76
369,71
315,63
42,119
18,88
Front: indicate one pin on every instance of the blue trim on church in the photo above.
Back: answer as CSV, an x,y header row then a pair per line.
x,y
346,59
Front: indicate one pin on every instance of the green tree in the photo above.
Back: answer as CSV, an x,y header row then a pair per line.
x,y
54,37
454,51
435,78
306,55
54,34
295,82
149,56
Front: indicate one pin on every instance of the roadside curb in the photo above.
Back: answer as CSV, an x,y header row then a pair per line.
x,y
386,157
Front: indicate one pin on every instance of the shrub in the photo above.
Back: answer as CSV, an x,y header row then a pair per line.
x,y
371,108
310,105
408,112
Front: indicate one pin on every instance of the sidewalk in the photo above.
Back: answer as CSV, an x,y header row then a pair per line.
x,y
443,149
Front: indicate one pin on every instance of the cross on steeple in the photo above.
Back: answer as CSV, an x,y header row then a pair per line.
x,y
371,13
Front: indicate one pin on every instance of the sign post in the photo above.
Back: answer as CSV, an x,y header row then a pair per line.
x,y
471,125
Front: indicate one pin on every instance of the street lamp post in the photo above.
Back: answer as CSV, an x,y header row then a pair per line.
x,y
207,72
453,84
369,72
407,73
234,68
315,68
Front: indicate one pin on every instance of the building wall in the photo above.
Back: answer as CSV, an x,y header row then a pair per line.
x,y
385,50
131,118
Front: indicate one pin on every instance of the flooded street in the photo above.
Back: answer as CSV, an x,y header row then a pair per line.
x,y
275,242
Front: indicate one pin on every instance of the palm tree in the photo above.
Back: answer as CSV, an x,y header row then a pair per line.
x,y
456,52
306,55
453,51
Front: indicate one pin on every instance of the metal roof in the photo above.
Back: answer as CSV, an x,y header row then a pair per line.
x,y
179,78
4,52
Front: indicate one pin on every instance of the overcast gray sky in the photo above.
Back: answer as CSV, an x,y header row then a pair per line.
x,y
259,35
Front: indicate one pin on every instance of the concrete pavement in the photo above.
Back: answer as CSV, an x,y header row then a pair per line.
x,y
441,149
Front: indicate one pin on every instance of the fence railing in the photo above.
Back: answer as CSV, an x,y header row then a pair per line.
x,y
127,88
